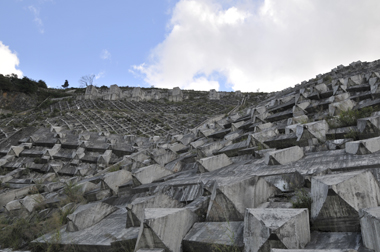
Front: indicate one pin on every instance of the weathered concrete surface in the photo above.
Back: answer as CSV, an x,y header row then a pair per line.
x,y
284,156
214,162
312,130
165,228
165,158
312,250
265,229
137,206
230,199
98,238
370,227
214,236
115,179
337,198
150,173
363,147
338,107
87,215
335,240
151,250
31,201
13,205
14,194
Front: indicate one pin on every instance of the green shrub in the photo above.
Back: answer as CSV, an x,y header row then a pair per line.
x,y
73,193
352,134
350,117
303,199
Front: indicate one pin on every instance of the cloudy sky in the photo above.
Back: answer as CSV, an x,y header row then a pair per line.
x,y
193,44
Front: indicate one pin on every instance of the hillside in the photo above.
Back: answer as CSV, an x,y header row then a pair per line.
x,y
133,169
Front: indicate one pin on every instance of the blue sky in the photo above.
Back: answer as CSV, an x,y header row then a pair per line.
x,y
245,45
59,40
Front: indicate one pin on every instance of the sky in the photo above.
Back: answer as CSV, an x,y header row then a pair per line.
x,y
227,45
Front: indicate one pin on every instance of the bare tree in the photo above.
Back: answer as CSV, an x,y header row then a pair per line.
x,y
87,80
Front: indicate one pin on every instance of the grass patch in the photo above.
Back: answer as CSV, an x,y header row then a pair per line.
x,y
303,199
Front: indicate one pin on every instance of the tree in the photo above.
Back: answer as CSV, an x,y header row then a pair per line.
x,y
41,84
87,80
66,85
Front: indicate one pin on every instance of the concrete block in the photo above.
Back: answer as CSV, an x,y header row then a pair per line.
x,y
10,195
262,136
215,236
267,228
313,250
363,147
213,163
230,198
148,174
13,205
207,150
337,107
31,201
16,150
51,152
312,130
369,125
165,228
178,148
284,156
355,80
88,215
108,235
344,241
300,108
105,158
370,227
298,119
151,250
166,157
115,179
337,198
136,207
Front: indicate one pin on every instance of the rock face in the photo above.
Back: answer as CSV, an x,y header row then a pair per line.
x,y
147,169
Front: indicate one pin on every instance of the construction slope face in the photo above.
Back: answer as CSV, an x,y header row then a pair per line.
x,y
296,169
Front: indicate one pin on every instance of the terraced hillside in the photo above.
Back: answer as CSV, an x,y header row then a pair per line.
x,y
122,171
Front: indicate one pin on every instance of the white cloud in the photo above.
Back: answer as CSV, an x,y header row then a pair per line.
x,y
105,54
100,75
8,61
37,19
270,44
